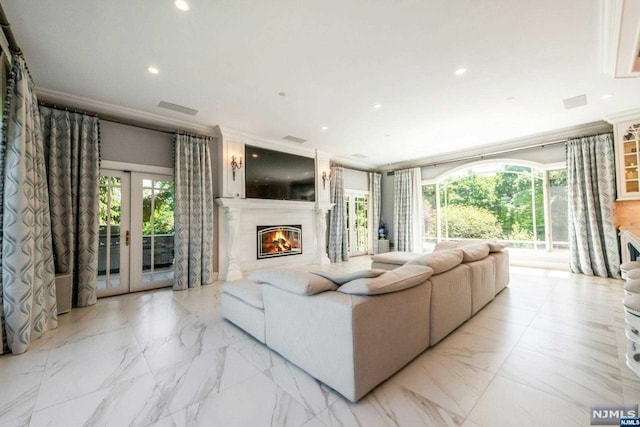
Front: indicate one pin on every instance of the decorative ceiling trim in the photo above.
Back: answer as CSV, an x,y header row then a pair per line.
x,y
120,112
245,137
623,116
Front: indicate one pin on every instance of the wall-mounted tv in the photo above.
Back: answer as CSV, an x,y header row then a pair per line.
x,y
271,174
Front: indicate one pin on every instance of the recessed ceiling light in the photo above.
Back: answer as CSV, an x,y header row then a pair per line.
x,y
377,106
255,156
282,93
388,135
152,69
510,98
607,96
182,5
325,128
460,71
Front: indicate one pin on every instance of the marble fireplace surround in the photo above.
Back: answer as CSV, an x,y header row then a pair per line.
x,y
238,220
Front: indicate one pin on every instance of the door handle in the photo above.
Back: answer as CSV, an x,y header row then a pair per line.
x,y
127,237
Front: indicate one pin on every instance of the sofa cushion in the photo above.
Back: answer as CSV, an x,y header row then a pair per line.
x,y
298,282
494,245
340,279
633,274
439,261
443,246
401,278
399,257
245,290
474,252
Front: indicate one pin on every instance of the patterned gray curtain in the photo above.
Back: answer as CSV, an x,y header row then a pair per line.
x,y
591,183
28,277
408,216
338,250
193,213
72,156
374,190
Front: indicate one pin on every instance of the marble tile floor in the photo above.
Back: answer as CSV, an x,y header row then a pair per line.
x,y
546,349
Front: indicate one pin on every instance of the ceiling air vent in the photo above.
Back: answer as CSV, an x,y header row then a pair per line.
x,y
294,139
359,156
178,108
575,102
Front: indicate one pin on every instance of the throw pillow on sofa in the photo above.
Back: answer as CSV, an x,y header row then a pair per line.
x,y
297,282
340,279
474,252
439,261
401,278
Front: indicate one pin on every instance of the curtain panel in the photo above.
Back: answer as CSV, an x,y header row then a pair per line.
x,y
374,191
338,250
72,156
193,215
28,272
591,185
408,210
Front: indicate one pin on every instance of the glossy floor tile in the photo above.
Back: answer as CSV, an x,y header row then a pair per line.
x,y
541,353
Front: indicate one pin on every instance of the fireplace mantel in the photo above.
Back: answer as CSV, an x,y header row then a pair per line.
x,y
239,218
267,204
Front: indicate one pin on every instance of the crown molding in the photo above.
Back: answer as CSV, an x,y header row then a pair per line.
x,y
624,116
505,146
263,141
109,110
358,164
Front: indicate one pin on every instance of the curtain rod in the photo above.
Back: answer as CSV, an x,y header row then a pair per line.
x,y
505,151
112,119
352,168
8,33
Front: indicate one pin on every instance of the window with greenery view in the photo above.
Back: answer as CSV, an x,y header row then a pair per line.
x,y
500,201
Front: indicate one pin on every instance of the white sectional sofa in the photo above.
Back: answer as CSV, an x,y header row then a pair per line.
x,y
353,332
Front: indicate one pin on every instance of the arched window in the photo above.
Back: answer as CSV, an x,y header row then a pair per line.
x,y
519,202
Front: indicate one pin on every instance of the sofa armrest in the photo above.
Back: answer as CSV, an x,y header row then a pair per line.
x,y
351,343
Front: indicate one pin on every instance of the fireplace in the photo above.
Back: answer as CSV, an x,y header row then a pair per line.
x,y
279,240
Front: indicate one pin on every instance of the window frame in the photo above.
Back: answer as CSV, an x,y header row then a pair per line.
x,y
545,168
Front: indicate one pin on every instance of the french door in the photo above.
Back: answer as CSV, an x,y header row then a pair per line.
x,y
152,231
136,232
357,212
114,235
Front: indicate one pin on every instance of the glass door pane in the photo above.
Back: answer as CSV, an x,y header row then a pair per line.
x,y
361,225
153,231
113,251
356,218
348,220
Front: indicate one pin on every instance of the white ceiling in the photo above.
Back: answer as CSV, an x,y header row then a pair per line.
x,y
335,59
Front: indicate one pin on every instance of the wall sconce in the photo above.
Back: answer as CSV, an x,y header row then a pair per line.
x,y
325,177
235,165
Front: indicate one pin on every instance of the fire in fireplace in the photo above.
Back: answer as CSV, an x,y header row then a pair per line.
x,y
279,240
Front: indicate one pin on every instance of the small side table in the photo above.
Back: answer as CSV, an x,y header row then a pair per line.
x,y
383,246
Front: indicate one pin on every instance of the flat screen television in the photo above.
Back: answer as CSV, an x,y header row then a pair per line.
x,y
271,174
